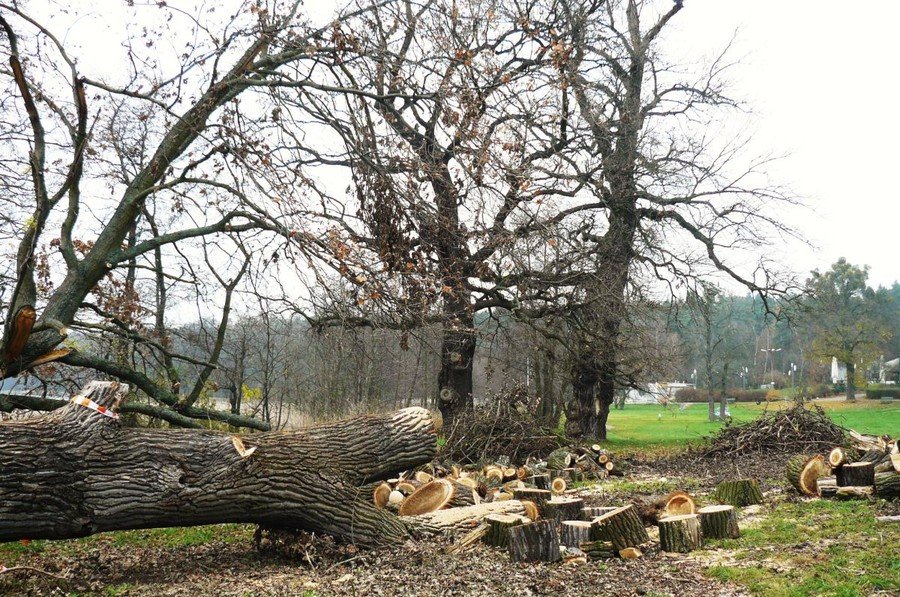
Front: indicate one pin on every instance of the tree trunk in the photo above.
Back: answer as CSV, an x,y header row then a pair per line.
x,y
851,383
76,472
856,474
455,377
581,410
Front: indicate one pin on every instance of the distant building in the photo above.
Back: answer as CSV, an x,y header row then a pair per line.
x,y
838,371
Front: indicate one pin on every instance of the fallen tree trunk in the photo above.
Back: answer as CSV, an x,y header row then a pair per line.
x,y
76,472
802,472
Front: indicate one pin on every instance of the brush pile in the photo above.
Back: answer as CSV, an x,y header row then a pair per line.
x,y
506,427
798,429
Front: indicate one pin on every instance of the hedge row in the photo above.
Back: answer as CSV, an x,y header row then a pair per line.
x,y
694,395
883,392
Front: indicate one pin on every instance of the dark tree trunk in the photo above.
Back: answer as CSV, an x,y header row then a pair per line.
x,y
581,410
76,472
455,377
851,386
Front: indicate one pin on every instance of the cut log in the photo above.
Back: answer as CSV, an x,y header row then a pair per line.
x,y
719,522
743,492
538,496
850,492
887,519
622,526
405,487
592,512
75,472
895,462
803,471
673,504
559,459
599,550
469,539
572,533
458,520
534,542
680,533
558,485
538,481
837,457
630,553
437,495
531,510
499,525
857,474
827,486
887,486
563,508
422,477
381,494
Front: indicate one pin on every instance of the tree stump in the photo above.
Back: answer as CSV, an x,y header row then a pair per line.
x,y
573,532
803,471
743,492
75,472
623,527
538,496
499,525
719,522
680,533
599,550
857,474
562,508
534,542
887,486
592,512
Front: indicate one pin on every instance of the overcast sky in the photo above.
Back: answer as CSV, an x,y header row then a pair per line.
x,y
821,78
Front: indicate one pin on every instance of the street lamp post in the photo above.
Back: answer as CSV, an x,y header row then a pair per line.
x,y
767,351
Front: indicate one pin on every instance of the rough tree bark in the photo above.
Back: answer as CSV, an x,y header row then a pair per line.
x,y
75,472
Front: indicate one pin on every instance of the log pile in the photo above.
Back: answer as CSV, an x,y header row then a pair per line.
x,y
870,468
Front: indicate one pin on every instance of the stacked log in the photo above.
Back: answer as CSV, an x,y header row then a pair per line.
x,y
857,474
622,527
680,533
599,550
887,486
456,520
719,522
540,481
675,503
743,492
534,542
437,495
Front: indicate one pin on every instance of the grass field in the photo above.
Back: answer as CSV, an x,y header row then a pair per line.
x,y
650,427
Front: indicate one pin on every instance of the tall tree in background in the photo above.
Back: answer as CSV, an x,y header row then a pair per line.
x,y
840,311
670,202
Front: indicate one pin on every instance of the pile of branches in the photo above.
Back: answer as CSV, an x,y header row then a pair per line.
x,y
795,429
504,428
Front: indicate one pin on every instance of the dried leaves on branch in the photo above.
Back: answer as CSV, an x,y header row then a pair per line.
x,y
798,428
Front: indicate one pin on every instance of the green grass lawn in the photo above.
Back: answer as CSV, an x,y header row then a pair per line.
x,y
819,547
653,427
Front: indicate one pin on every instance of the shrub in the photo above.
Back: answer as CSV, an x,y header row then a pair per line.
x,y
879,392
748,395
699,395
